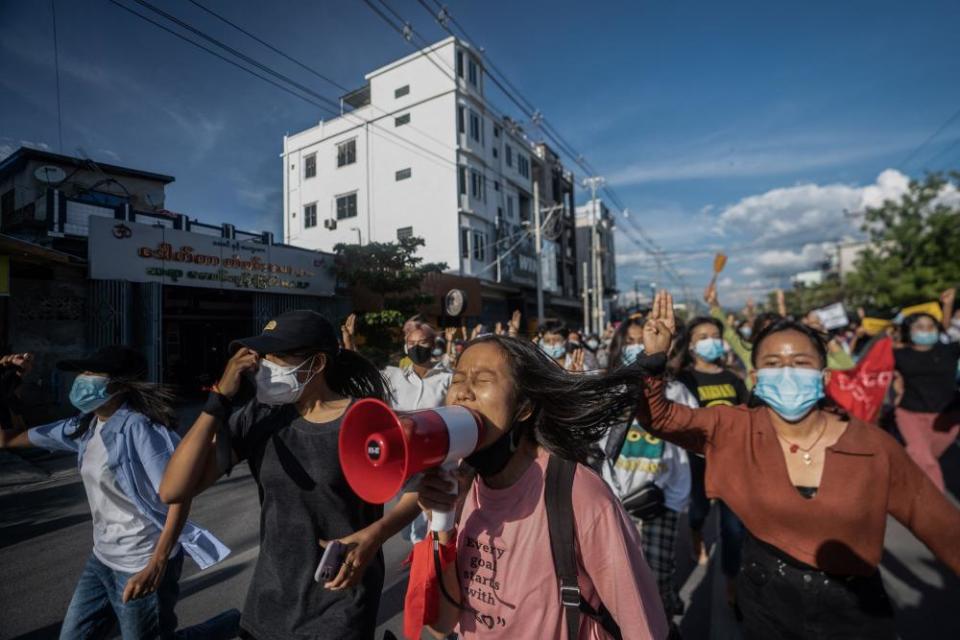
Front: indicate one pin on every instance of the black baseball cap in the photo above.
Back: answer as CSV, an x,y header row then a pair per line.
x,y
114,360
291,332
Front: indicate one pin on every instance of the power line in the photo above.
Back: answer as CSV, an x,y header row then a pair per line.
x,y
528,109
302,64
913,154
56,66
328,105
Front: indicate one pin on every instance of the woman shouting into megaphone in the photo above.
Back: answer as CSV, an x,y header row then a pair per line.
x,y
543,547
304,382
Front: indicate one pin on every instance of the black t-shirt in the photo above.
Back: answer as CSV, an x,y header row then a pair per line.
x,y
304,497
713,389
929,378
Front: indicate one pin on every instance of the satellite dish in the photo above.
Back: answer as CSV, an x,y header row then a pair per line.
x,y
154,199
49,174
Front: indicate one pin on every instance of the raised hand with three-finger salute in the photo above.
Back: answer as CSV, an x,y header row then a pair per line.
x,y
661,325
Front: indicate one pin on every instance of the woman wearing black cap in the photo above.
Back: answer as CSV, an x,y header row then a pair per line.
x,y
123,438
304,383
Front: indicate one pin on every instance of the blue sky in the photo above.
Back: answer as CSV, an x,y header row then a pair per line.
x,y
746,126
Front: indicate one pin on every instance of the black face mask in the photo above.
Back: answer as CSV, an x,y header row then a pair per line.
x,y
492,459
420,354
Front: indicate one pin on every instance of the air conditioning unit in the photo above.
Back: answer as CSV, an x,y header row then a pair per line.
x,y
330,223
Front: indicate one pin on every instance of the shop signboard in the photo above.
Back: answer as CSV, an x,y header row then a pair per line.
x,y
121,250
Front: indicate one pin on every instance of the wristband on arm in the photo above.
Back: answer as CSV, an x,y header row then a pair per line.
x,y
217,405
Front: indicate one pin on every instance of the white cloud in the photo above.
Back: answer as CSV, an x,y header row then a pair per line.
x,y
766,157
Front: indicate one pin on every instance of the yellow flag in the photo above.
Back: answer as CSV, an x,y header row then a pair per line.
x,y
933,308
873,326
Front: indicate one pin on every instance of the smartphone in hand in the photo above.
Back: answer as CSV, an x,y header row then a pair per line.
x,y
330,562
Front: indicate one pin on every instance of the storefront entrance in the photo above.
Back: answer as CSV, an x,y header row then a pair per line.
x,y
198,326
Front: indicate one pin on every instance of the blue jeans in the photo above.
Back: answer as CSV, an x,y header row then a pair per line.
x,y
98,603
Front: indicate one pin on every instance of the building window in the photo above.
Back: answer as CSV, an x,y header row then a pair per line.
x,y
479,246
310,215
476,184
496,131
523,165
510,207
399,121
509,151
347,153
496,185
464,243
403,174
404,233
347,206
460,62
475,126
462,180
496,153
402,91
473,72
460,118
310,166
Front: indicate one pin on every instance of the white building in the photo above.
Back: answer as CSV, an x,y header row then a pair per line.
x,y
595,213
416,152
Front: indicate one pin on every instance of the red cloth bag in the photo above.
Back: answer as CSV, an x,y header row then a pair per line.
x,y
421,604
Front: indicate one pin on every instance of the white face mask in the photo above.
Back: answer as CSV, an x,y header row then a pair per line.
x,y
277,384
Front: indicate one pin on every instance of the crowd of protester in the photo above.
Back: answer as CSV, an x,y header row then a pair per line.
x,y
611,442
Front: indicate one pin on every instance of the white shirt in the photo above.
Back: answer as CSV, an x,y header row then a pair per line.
x,y
646,458
410,391
122,538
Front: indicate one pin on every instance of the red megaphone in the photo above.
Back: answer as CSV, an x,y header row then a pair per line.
x,y
380,449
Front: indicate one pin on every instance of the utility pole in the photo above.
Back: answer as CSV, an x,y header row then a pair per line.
x,y
593,183
586,298
636,294
538,249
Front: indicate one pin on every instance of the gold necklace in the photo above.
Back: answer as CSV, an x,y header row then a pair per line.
x,y
794,447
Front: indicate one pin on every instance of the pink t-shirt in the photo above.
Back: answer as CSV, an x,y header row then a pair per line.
x,y
507,573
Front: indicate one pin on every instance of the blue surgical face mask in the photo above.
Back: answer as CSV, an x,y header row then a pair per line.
x,y
555,351
746,331
89,393
790,391
924,338
710,349
631,352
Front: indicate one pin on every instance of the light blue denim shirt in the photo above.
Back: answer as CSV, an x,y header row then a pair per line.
x,y
137,454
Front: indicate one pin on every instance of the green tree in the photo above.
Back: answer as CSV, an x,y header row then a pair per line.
x,y
914,251
393,273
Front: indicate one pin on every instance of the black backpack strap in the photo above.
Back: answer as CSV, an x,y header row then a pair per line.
x,y
558,500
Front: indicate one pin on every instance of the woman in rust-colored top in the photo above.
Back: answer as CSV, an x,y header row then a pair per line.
x,y
813,489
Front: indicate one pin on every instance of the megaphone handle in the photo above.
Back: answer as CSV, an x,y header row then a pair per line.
x,y
445,520
442,521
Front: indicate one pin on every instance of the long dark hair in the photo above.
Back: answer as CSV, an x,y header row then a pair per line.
x,y
615,357
350,374
151,399
571,412
681,358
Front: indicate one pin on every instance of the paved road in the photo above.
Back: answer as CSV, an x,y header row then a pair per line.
x,y
45,536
